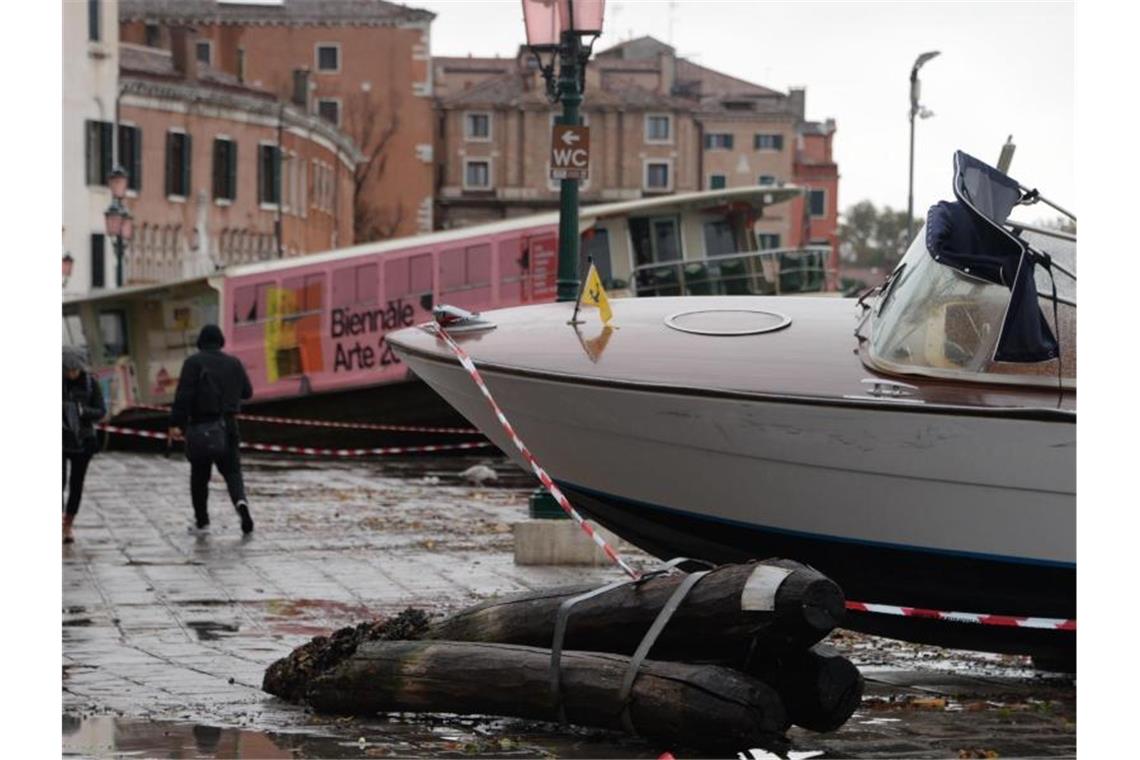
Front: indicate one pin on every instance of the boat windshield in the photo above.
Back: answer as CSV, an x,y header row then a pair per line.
x,y
934,320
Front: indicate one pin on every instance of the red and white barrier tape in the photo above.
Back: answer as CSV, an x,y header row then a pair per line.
x,y
330,423
542,475
1049,624
312,451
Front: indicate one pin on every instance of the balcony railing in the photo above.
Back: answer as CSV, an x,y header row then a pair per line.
x,y
776,271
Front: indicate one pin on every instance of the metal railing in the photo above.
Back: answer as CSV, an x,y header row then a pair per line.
x,y
775,271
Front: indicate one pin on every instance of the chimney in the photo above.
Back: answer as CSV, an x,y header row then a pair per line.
x,y
183,53
796,98
301,89
666,71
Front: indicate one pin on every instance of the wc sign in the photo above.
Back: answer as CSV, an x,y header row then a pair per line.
x,y
569,152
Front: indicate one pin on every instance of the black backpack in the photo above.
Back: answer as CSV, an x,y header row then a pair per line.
x,y
206,438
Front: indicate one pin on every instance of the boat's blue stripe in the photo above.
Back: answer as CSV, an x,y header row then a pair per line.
x,y
817,536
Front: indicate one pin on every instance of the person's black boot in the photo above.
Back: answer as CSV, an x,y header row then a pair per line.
x,y
246,520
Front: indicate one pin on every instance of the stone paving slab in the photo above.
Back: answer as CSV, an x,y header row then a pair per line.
x,y
166,630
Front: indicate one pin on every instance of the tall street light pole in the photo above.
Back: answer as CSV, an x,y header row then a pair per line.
x,y
554,30
915,110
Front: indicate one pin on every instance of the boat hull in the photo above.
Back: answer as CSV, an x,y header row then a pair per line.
x,y
902,506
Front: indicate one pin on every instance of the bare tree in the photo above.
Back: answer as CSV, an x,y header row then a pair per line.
x,y
372,127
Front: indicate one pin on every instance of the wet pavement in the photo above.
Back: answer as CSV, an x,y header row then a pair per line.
x,y
166,635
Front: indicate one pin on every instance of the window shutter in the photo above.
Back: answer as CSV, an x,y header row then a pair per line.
x,y
89,150
106,150
219,168
136,159
186,167
778,142
233,170
275,152
170,165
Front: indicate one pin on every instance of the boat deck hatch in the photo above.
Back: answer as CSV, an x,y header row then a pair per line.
x,y
727,322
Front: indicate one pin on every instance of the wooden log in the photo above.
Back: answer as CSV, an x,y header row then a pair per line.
x,y
784,605
678,704
820,688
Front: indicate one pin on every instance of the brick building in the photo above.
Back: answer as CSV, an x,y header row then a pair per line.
x,y
220,172
363,65
659,124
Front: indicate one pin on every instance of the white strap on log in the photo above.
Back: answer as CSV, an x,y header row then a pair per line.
x,y
760,589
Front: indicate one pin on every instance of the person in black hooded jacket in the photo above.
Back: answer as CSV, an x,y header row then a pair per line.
x,y
212,385
82,407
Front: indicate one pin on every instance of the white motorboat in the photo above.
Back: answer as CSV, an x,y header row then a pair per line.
x,y
881,441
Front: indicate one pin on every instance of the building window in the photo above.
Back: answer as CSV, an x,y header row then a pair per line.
x,y
177,164
718,141
476,175
658,128
329,110
99,135
328,58
658,176
98,261
768,142
767,241
818,203
203,50
130,155
268,174
152,35
717,182
766,179
225,169
94,10
477,126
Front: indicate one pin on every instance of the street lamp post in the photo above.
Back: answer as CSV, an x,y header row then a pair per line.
x,y
555,28
118,222
915,110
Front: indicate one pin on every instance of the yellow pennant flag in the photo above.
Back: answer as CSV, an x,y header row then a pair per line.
x,y
593,293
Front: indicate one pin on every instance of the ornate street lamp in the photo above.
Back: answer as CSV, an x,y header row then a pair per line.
x,y
117,220
923,113
554,30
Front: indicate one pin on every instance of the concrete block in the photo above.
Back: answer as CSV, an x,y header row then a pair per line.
x,y
560,542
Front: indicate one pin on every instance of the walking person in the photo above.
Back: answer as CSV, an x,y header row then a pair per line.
x,y
82,407
211,387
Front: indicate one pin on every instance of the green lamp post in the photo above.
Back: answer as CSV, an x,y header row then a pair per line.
x,y
554,32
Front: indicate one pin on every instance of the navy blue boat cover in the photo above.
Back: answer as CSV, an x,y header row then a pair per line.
x,y
968,235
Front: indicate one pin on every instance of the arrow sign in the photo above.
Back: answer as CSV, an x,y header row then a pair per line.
x,y
569,152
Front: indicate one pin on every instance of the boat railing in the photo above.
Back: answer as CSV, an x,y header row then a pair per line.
x,y
774,271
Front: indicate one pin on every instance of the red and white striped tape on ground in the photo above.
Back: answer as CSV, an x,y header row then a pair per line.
x,y
329,423
312,451
548,483
1049,624
542,475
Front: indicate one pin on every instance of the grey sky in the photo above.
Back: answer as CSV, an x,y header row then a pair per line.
x,y
1005,68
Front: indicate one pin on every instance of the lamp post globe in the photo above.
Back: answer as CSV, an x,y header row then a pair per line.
x,y
113,219
117,181
127,226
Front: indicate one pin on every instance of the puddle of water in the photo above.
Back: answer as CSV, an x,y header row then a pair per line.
x,y
400,736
